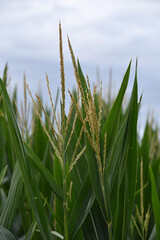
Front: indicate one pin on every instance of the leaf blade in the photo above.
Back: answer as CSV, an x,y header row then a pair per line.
x,y
81,207
11,205
44,171
155,202
2,174
27,173
5,234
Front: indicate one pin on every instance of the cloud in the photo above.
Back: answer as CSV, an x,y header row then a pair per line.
x,y
97,29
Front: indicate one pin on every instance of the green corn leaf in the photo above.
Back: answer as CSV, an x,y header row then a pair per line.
x,y
2,139
122,169
95,226
127,188
39,134
5,234
81,207
46,161
80,168
153,234
144,154
93,169
132,158
155,203
91,158
12,202
57,234
112,122
131,161
5,73
2,174
82,80
44,171
114,160
31,231
113,174
26,171
58,205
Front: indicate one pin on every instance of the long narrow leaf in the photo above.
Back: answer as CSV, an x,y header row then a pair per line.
x,y
2,174
44,171
13,198
120,176
127,189
5,234
94,226
155,203
112,122
81,207
57,234
27,173
94,174
153,234
31,231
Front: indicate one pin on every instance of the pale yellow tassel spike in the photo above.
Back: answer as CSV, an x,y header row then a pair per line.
x,y
146,223
69,117
73,60
28,112
82,120
138,230
44,128
104,152
77,75
100,111
89,118
62,78
77,144
73,129
98,127
19,120
70,191
79,155
48,120
22,113
54,114
89,87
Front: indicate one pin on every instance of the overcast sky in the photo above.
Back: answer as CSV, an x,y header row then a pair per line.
x,y
103,33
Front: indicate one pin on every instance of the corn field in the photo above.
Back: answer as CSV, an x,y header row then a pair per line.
x,y
85,174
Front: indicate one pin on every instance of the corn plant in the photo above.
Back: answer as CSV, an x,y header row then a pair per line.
x,y
77,175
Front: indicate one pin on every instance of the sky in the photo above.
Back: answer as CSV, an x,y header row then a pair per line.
x,y
104,35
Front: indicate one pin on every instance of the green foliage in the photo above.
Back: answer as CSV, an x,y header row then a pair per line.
x,y
81,175
2,174
5,234
155,202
